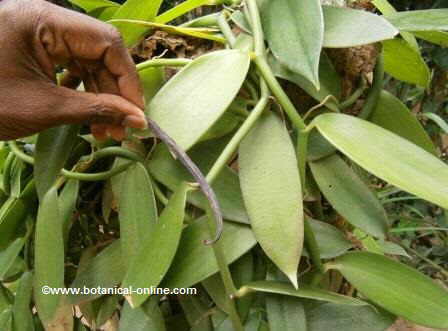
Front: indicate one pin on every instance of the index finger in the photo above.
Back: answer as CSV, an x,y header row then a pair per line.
x,y
119,62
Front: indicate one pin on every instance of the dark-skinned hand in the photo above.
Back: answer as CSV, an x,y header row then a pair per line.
x,y
36,37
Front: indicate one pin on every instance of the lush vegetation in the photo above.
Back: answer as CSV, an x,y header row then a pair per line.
x,y
322,130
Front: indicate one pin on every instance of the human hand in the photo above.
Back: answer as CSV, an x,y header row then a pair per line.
x,y
35,37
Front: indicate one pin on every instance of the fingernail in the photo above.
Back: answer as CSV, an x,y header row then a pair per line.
x,y
136,122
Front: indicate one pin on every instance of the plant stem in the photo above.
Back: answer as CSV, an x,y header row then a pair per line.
x,y
239,135
354,97
70,174
226,276
302,153
225,29
162,63
314,251
265,70
375,90
279,93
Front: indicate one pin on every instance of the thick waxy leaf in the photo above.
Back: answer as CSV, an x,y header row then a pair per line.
x,y
399,56
345,27
23,317
9,255
435,37
305,291
155,255
181,107
89,5
331,316
330,82
148,317
396,287
349,195
49,256
53,148
330,240
67,205
137,10
195,261
420,20
393,115
271,188
152,79
387,156
104,270
242,272
226,186
295,39
12,214
285,313
138,211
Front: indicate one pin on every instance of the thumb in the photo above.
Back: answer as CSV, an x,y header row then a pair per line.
x,y
82,107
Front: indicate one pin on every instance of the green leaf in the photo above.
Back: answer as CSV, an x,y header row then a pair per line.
x,y
387,156
49,256
295,39
204,33
90,5
184,110
285,313
393,115
9,255
305,291
435,37
182,9
332,316
195,261
399,56
330,240
242,272
420,20
349,195
137,211
171,173
136,10
23,316
345,27
330,82
53,148
270,183
155,255
438,120
67,206
12,215
148,317
104,270
152,79
396,287
6,320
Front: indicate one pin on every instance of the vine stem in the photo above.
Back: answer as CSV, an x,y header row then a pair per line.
x,y
225,29
226,276
239,135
